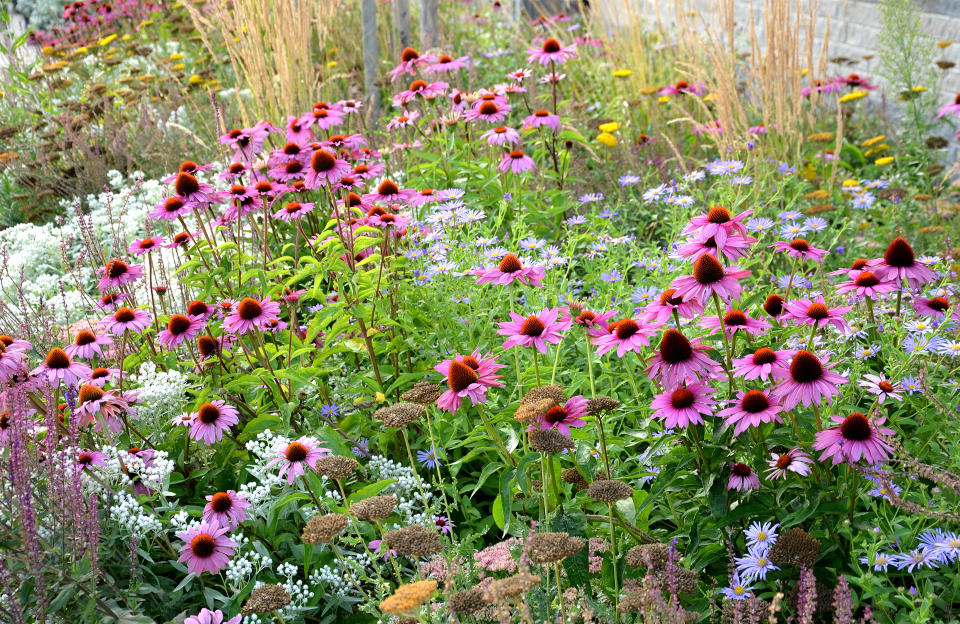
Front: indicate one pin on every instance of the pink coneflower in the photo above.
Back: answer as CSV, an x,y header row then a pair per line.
x,y
183,420
501,136
126,319
188,166
880,386
677,360
294,169
752,408
325,169
101,376
206,616
735,321
405,120
367,172
626,335
249,314
950,109
111,301
179,240
509,270
206,548
709,278
211,420
423,197
180,327
354,142
409,60
795,460
194,193
324,119
807,381
293,211
142,246
243,201
533,331
816,313
516,161
683,406
551,52
248,141
563,417
88,459
683,87
305,451
420,88
865,284
853,438
109,405
298,129
200,309
86,344
464,382
225,509
117,273
718,224
899,262
446,64
58,366
389,192
935,306
661,310
856,268
761,364
488,110
742,478
542,118
800,248
733,247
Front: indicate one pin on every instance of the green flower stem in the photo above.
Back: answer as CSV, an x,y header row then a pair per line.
x,y
491,430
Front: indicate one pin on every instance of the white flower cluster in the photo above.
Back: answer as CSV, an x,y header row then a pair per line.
x,y
245,564
410,505
160,393
133,517
126,468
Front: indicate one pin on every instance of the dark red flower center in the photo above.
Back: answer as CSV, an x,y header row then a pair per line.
x,y
418,85
867,280
899,253
718,214
681,398
409,54
388,187
784,460
500,130
85,337
237,168
940,304
668,298
805,367
773,305
585,318
741,470
516,154
488,108
173,204
886,386
291,149
541,113
800,245
148,243
707,270
178,324
221,502
532,326
116,268
84,459
249,309
124,315
674,347
510,264
858,264
735,318
470,361
292,207
203,545
445,59
551,46
208,413
206,345
188,166
186,184
197,308
817,311
89,393
57,358
181,238
754,402
555,414
855,427
460,376
99,373
626,328
322,160
296,452
764,355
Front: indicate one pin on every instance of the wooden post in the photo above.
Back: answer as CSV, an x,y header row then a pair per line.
x,y
429,24
401,22
371,59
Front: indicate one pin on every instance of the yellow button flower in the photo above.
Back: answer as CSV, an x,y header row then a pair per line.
x,y
854,95
873,140
609,127
607,139
886,160
622,73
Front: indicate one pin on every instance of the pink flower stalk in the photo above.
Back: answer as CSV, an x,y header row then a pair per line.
x,y
58,366
734,246
735,321
125,319
206,548
683,88
551,51
211,420
305,451
142,246
446,64
489,111
815,313
866,284
678,360
225,509
742,478
88,459
516,161
86,344
710,278
626,335
898,263
410,59
950,109
761,364
808,381
535,331
509,270
180,328
117,273
800,248
878,385
684,405
251,314
420,88
206,616
795,460
935,306
325,169
563,417
853,438
661,311
542,118
752,408
500,136
718,224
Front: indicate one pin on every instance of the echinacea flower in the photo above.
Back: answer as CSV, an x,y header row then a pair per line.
x,y
935,306
87,459
388,192
542,118
171,208
58,366
854,437
206,548
878,385
180,327
752,408
211,420
410,59
86,344
489,111
678,359
866,284
816,313
510,269
709,278
248,142
761,364
734,246
742,478
226,509
735,321
899,262
683,406
105,409
500,136
446,64
808,380
206,616
718,224
124,320
536,330
795,460
251,314
467,377
551,51
683,87
118,273
305,451
661,310
563,417
950,109
516,161
145,245
801,249
420,88
325,169
625,335
193,193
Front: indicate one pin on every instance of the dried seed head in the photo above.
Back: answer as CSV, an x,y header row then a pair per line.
x,y
538,393
550,441
408,598
686,580
399,415
322,529
600,404
529,412
415,540
374,508
266,599
609,490
795,548
651,556
502,590
336,466
573,476
466,602
551,547
423,393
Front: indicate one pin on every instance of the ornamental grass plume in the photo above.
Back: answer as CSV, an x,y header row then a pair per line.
x,y
415,540
551,547
408,598
322,529
399,415
266,599
374,508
